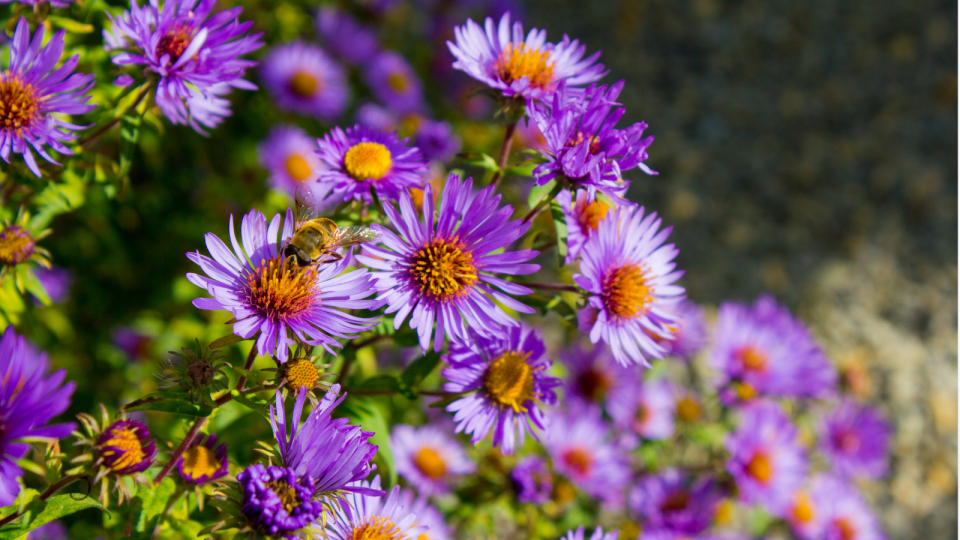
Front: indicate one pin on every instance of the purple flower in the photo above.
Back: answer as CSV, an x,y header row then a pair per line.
x,y
53,530
126,447
856,438
360,160
506,378
367,516
441,269
582,216
303,79
832,509
331,453
135,344
346,37
530,68
427,516
580,448
428,458
766,459
436,140
265,295
394,82
56,282
33,95
197,60
761,350
597,535
674,501
629,275
592,373
690,334
204,461
583,146
646,408
276,501
29,399
289,154
532,480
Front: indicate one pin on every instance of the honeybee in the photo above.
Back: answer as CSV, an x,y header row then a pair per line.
x,y
315,239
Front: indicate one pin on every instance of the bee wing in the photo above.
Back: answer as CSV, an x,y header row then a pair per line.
x,y
304,205
351,236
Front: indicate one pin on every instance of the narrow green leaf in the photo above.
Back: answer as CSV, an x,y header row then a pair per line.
x,y
537,193
256,377
381,382
148,506
37,513
560,224
484,161
254,404
522,169
70,25
417,371
168,401
129,135
369,415
225,341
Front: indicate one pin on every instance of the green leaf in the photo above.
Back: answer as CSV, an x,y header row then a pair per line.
x,y
369,415
381,382
484,161
419,370
225,341
255,404
168,401
148,506
70,25
35,288
522,169
560,224
129,135
537,193
37,513
256,377
406,337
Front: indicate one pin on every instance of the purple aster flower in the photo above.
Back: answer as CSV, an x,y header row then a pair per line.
x,y
528,135
428,458
580,448
832,509
135,344
347,38
29,399
366,516
530,68
56,282
803,515
583,146
506,378
289,154
592,373
690,334
303,79
33,94
266,296
597,535
582,216
197,59
532,480
856,438
766,459
204,460
761,350
53,530
646,408
362,159
276,501
126,447
331,453
395,83
427,516
674,501
629,274
436,140
441,269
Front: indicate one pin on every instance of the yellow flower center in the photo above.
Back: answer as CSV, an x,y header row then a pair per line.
x,y
509,380
803,509
846,529
130,450
286,493
175,42
304,84
579,460
760,467
16,245
592,214
19,102
200,461
377,528
443,270
302,373
398,82
416,195
430,463
641,415
298,168
724,512
688,409
522,61
367,160
278,291
593,384
625,292
745,391
752,358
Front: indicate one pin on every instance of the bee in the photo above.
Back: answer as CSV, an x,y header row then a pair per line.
x,y
316,239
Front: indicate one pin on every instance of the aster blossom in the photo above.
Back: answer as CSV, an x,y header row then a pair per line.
x,y
29,399
266,294
583,146
289,155
856,439
582,214
361,159
277,502
439,268
645,409
532,480
373,516
598,534
505,377
195,56
33,94
761,350
305,80
674,501
205,460
690,334
593,373
428,458
427,516
347,38
499,56
394,82
629,275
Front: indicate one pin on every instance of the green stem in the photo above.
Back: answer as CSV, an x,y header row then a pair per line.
x,y
47,493
504,152
248,365
175,456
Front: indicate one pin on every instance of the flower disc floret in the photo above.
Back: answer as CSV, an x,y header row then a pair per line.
x,y
304,79
673,500
428,457
856,439
205,460
126,447
16,245
276,501
289,155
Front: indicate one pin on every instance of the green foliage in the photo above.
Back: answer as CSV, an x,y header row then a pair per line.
x,y
37,512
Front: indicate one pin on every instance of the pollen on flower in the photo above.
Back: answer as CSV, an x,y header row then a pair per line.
x,y
760,467
522,61
688,409
578,459
377,528
286,493
304,84
200,461
592,214
625,291
443,270
18,102
16,244
277,291
430,463
297,167
367,160
397,81
175,42
803,509
752,358
302,373
745,391
122,449
509,380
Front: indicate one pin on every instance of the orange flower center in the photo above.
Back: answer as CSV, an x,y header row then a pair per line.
x,y
287,494
304,84
517,62
377,528
278,291
752,358
760,467
397,81
199,461
592,214
593,384
16,244
803,509
579,460
367,161
675,502
845,528
430,463
688,409
626,293
509,380
19,102
298,168
745,391
443,270
302,373
130,450
175,42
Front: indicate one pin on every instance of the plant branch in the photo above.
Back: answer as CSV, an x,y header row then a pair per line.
x,y
504,152
248,365
175,456
47,493
552,286
95,136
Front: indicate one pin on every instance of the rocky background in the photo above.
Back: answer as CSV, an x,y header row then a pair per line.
x,y
809,149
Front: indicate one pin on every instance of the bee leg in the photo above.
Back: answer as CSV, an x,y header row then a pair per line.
x,y
333,257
